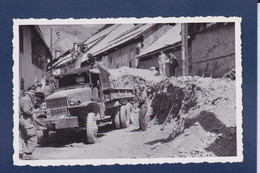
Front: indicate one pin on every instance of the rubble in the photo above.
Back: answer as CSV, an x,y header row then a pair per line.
x,y
182,103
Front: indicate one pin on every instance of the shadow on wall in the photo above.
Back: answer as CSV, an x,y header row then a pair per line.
x,y
163,102
225,144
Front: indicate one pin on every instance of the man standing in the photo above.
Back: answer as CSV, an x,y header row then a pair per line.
x,y
26,126
173,64
142,108
162,60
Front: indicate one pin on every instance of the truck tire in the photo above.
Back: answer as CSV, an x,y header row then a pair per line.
x,y
116,118
91,128
130,112
124,117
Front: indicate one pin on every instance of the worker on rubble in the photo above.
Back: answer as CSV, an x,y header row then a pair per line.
x,y
142,108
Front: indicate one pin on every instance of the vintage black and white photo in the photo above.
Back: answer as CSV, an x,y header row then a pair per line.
x,y
127,91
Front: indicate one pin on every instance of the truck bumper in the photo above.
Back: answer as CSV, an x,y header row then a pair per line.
x,y
68,122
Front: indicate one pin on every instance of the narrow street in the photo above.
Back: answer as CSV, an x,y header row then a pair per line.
x,y
111,143
207,132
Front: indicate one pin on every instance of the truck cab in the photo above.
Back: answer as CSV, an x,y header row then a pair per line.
x,y
83,99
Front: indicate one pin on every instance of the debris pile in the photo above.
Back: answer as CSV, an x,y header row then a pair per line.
x,y
195,109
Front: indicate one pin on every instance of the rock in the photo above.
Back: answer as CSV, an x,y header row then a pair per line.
x,y
187,134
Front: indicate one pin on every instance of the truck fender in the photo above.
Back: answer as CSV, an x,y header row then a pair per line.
x,y
91,106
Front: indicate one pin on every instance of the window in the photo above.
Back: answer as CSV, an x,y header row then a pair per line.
x,y
21,39
130,64
110,58
22,84
39,52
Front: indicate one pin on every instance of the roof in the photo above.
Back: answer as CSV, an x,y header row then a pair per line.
x,y
107,39
90,42
99,36
119,29
62,59
124,36
121,34
171,37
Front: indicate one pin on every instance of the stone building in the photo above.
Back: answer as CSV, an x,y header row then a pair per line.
x,y
212,48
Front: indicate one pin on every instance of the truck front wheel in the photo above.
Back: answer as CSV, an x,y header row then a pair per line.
x,y
91,128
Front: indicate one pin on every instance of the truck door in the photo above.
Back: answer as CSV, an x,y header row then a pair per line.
x,y
96,86
104,77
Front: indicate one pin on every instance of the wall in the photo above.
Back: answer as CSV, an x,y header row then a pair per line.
x,y
213,51
121,57
27,70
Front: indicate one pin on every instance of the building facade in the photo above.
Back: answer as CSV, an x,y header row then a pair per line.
x,y
213,49
33,55
129,43
168,42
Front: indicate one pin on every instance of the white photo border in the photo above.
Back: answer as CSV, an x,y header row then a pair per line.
x,y
129,161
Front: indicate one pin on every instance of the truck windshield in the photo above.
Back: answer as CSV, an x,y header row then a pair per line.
x,y
73,79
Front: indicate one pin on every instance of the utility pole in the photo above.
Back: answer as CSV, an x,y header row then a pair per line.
x,y
184,48
76,37
51,50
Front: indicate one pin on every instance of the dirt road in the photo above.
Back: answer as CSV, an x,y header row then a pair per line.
x,y
111,143
195,141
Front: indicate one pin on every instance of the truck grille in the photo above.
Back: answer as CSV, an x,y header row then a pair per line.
x,y
57,107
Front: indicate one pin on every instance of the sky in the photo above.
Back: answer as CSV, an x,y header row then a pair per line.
x,y
63,36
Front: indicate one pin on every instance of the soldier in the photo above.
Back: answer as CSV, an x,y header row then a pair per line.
x,y
142,108
26,126
173,64
91,59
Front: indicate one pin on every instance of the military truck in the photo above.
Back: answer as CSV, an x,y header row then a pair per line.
x,y
84,99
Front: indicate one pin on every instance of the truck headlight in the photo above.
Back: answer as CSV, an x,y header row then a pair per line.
x,y
73,101
43,106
